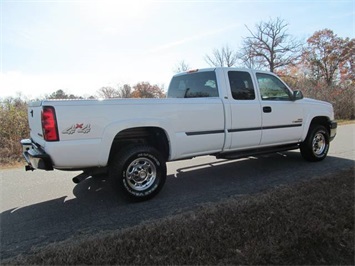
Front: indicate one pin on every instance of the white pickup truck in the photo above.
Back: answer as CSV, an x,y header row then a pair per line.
x,y
226,112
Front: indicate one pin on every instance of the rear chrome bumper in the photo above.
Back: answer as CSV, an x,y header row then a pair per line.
x,y
35,156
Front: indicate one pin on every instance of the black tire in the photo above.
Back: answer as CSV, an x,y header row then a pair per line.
x,y
316,145
140,172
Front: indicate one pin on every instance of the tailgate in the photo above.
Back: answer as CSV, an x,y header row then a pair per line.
x,y
35,122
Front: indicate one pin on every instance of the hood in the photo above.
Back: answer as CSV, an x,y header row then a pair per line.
x,y
317,102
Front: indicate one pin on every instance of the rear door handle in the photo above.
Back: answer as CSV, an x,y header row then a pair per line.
x,y
267,109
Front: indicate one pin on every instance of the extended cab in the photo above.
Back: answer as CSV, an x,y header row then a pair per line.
x,y
226,112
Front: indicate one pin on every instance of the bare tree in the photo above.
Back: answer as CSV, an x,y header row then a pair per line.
x,y
271,46
250,61
181,67
223,57
108,92
121,92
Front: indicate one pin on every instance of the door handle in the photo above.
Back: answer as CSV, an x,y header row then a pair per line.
x,y
267,109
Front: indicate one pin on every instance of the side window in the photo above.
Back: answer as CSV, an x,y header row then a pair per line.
x,y
241,85
271,88
194,85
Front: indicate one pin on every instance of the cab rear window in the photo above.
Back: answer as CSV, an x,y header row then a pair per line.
x,y
194,85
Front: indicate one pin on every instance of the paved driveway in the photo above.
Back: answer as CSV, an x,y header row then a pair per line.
x,y
40,207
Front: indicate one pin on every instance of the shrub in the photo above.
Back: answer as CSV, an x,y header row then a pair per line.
x,y
13,128
341,98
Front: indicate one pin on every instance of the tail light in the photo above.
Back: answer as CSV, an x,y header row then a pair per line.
x,y
49,124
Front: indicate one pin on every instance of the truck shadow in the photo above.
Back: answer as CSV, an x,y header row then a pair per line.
x,y
97,206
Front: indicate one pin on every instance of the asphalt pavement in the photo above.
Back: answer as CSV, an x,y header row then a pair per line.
x,y
38,208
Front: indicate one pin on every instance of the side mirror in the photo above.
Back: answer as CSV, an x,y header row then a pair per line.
x,y
297,95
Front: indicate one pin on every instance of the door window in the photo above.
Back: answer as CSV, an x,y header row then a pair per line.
x,y
241,85
272,89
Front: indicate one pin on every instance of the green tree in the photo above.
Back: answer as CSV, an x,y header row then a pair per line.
x,y
126,91
60,94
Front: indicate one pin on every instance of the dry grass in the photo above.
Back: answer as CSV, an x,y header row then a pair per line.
x,y
308,223
345,122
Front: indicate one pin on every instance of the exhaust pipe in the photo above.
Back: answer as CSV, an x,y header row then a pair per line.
x,y
88,173
80,178
29,168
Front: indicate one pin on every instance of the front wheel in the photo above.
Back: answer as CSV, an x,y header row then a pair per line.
x,y
316,145
140,172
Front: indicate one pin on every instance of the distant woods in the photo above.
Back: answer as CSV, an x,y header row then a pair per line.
x,y
140,90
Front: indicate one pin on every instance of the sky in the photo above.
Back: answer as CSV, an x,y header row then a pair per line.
x,y
81,46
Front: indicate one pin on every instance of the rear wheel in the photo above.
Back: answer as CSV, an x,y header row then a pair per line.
x,y
316,145
140,172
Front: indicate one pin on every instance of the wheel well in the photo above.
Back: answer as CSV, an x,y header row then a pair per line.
x,y
321,120
153,136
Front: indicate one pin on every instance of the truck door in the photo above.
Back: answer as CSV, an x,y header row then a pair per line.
x,y
245,130
281,116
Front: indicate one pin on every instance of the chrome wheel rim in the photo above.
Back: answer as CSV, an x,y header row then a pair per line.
x,y
319,144
141,174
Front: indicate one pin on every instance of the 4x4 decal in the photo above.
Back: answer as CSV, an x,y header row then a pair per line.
x,y
77,128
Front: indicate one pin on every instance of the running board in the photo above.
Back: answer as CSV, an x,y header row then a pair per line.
x,y
256,152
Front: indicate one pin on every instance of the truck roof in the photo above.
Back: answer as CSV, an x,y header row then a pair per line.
x,y
223,68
